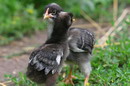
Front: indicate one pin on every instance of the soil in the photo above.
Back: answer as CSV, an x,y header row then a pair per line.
x,y
13,60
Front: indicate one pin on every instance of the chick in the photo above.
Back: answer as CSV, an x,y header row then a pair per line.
x,y
45,63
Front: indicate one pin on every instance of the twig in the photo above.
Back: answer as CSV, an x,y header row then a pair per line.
x,y
120,19
4,83
91,21
28,49
115,9
118,29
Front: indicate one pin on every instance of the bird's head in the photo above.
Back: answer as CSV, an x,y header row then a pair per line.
x,y
65,18
51,11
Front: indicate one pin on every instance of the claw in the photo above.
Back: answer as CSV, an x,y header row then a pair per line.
x,y
69,80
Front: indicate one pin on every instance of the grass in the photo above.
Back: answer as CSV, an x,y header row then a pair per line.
x,y
111,65
17,21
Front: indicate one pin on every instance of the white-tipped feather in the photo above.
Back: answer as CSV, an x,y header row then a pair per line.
x,y
58,59
53,71
70,37
46,71
30,61
34,60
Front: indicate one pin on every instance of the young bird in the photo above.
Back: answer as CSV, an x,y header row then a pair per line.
x,y
45,63
81,43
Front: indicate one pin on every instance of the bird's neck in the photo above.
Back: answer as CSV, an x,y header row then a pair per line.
x,y
50,30
57,33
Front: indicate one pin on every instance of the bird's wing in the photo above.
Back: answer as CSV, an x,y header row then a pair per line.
x,y
47,59
87,41
81,40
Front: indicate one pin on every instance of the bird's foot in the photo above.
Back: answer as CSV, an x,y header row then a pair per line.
x,y
69,80
86,83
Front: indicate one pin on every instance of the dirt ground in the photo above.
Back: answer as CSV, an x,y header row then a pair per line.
x,y
14,59
18,61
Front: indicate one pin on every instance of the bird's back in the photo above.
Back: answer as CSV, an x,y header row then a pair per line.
x,y
82,39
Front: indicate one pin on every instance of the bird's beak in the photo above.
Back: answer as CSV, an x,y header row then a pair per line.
x,y
47,15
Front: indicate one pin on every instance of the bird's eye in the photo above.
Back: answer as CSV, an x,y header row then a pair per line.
x,y
54,12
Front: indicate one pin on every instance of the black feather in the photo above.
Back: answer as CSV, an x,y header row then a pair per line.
x,y
85,39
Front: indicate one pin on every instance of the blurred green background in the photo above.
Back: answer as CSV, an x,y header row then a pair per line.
x,y
22,17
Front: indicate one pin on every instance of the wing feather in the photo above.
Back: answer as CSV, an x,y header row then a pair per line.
x,y
81,40
46,59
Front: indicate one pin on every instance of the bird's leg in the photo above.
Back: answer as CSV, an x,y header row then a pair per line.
x,y
86,81
69,78
85,67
